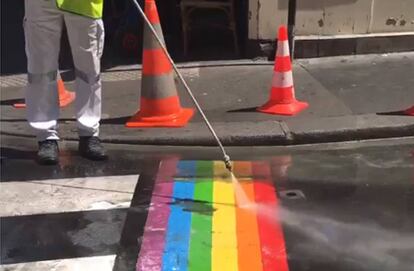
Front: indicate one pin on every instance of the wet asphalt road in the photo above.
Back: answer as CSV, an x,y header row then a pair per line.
x,y
344,206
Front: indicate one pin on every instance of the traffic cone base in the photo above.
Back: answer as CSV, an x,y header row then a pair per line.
x,y
64,101
19,105
289,109
179,119
410,111
65,97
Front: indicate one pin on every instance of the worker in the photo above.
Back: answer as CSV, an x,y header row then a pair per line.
x,y
43,25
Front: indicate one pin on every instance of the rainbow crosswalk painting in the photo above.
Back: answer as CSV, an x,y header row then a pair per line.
x,y
194,223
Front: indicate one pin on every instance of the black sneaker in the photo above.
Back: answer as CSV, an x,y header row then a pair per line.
x,y
48,153
90,147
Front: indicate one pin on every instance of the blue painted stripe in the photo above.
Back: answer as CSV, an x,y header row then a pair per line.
x,y
176,250
186,169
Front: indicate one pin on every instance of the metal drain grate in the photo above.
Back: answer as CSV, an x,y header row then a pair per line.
x,y
292,194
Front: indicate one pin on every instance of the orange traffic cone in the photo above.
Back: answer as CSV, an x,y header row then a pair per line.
x,y
410,111
65,97
282,97
160,104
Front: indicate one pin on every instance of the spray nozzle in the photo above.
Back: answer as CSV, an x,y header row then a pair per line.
x,y
228,164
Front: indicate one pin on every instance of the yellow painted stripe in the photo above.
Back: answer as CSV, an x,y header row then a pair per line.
x,y
224,242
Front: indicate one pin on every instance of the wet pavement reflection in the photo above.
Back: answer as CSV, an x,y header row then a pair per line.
x,y
339,208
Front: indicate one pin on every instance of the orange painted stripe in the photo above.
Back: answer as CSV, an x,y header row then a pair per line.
x,y
243,169
155,62
270,229
248,241
283,64
151,11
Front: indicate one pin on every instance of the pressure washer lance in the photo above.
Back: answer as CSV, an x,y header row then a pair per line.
x,y
226,157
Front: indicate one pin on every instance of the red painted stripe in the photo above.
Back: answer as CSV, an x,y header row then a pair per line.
x,y
272,240
155,62
151,11
283,64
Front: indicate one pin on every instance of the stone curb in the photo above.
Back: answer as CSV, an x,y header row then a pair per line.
x,y
265,133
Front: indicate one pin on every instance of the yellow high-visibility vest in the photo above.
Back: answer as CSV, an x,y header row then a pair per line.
x,y
88,8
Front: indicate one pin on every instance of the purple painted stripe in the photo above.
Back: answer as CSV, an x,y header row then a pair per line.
x,y
152,248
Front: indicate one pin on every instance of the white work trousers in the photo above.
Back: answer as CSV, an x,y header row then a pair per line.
x,y
43,25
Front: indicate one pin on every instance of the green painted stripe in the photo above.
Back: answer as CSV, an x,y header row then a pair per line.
x,y
201,225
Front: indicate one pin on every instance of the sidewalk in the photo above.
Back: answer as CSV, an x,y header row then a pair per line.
x,y
350,98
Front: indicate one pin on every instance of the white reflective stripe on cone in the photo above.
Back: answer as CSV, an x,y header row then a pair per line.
x,y
283,48
282,79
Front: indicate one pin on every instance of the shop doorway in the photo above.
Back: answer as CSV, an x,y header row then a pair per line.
x,y
206,41
123,26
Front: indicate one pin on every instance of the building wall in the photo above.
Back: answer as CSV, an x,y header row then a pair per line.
x,y
331,17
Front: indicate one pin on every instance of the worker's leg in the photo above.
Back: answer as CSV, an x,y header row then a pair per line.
x,y
86,37
43,27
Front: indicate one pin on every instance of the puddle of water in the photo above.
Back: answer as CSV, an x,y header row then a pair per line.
x,y
367,245
195,206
